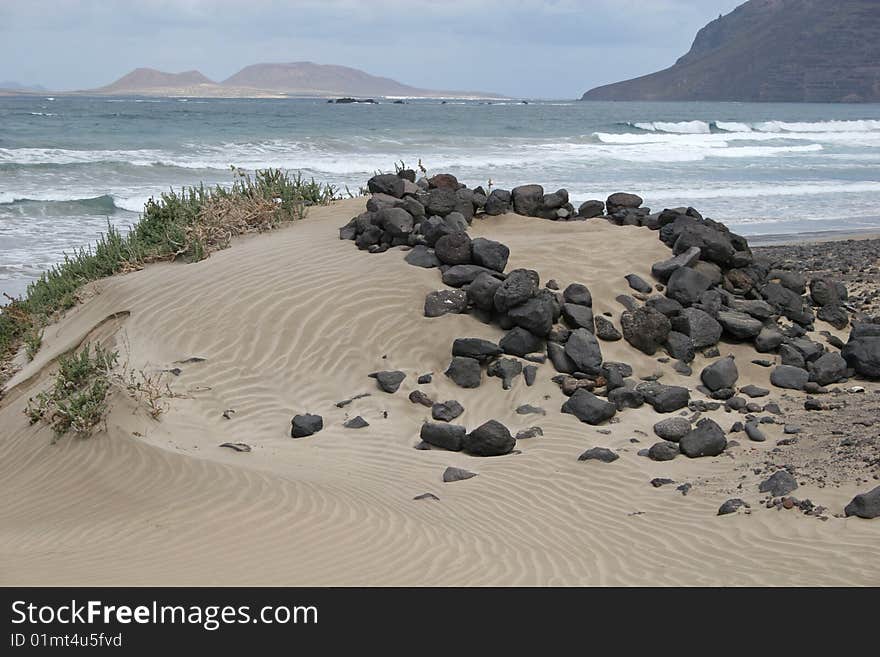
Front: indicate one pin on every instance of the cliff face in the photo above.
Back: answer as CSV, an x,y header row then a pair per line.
x,y
772,50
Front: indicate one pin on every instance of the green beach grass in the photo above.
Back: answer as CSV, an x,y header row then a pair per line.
x,y
186,225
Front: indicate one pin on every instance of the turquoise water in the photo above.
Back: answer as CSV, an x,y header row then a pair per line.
x,y
68,165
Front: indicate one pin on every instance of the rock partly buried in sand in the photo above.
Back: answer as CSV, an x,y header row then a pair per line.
x,y
446,411
498,202
476,348
528,409
238,447
456,474
422,256
790,377
645,329
602,454
356,423
663,451
706,439
530,373
463,274
663,398
778,484
446,436
673,428
605,330
531,432
589,408
590,209
427,496
305,425
622,201
754,391
731,506
505,369
753,431
537,314
389,380
865,505
489,439
720,374
465,372
638,283
419,397
442,302
454,249
626,397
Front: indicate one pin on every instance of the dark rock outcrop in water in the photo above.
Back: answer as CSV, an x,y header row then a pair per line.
x,y
773,51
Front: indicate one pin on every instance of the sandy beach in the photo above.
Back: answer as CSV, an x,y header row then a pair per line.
x,y
293,321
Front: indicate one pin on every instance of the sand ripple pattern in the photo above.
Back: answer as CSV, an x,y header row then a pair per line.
x,y
293,321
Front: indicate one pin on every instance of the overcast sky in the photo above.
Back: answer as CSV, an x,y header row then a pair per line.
x,y
549,48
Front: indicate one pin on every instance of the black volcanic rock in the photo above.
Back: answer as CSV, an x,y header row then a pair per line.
x,y
772,50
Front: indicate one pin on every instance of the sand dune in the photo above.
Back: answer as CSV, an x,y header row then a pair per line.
x,y
293,321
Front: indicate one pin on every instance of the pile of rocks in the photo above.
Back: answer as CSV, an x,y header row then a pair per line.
x,y
711,289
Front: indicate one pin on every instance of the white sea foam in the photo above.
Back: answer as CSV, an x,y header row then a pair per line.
x,y
682,127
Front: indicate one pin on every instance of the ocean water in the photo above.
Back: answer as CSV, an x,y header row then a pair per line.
x,y
68,165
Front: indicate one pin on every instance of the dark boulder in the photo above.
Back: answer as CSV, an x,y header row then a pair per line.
x,y
663,398
560,360
622,201
589,408
386,183
389,381
421,256
459,275
446,411
663,451
454,249
476,348
778,484
865,505
706,439
519,342
605,330
489,439
673,428
442,302
665,268
731,506
356,422
489,254
739,325
686,285
720,374
481,292
446,436
699,326
584,351
638,283
519,286
680,347
305,425
578,316
527,199
465,372
827,292
590,209
624,397
452,474
837,316
505,369
577,293
828,368
790,377
441,202
443,181
498,202
863,355
645,329
536,314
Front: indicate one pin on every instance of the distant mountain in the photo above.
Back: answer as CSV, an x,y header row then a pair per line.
x,y
273,80
772,50
149,79
17,86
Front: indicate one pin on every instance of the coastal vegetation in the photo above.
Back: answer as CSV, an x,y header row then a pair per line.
x,y
186,225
